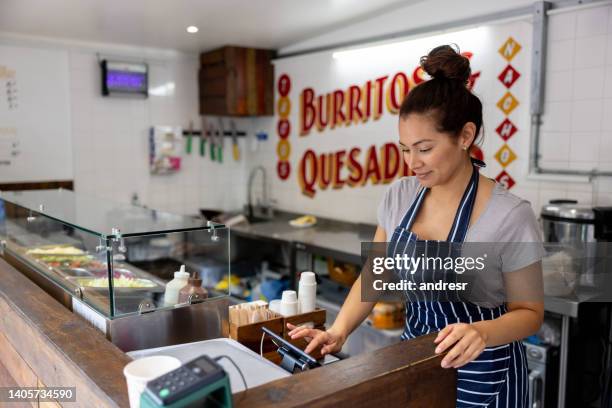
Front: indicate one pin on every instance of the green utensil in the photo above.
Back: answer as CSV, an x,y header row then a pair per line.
x,y
189,136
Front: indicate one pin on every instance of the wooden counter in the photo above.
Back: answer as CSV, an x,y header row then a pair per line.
x,y
406,374
42,342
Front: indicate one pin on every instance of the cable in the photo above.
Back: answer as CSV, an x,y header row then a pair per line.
x,y
235,365
263,334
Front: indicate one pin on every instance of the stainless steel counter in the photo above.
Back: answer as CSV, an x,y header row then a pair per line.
x,y
338,239
568,305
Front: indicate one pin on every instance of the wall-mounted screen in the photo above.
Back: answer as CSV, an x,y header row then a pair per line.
x,y
124,78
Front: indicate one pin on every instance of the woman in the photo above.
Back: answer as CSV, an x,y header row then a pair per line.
x,y
448,200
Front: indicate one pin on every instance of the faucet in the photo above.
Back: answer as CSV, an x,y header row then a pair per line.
x,y
252,175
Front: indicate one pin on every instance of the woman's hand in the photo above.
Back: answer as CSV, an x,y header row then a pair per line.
x,y
329,340
467,343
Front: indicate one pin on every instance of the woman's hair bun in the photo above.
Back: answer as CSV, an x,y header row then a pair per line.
x,y
444,62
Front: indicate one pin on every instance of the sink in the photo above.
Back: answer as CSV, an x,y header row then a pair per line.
x,y
256,220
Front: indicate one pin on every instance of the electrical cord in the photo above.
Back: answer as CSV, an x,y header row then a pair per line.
x,y
263,336
235,365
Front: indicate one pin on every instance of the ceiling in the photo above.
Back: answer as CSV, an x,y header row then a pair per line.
x,y
162,23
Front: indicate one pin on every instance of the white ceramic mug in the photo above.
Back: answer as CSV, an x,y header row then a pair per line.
x,y
139,372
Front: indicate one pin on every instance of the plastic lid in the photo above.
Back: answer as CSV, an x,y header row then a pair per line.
x,y
181,273
569,211
308,278
195,281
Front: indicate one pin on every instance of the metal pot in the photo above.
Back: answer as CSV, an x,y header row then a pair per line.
x,y
580,227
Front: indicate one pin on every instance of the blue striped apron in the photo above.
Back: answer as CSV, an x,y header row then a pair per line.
x,y
498,377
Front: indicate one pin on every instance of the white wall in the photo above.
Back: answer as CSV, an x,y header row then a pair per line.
x,y
424,13
110,135
577,121
577,127
110,139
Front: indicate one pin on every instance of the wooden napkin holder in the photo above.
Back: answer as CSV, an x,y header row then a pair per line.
x,y
249,335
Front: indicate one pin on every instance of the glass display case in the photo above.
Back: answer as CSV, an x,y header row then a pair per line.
x,y
109,261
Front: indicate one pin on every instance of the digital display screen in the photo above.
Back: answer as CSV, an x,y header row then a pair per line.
x,y
205,365
124,78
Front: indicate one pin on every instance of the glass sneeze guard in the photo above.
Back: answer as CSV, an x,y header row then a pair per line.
x,y
115,258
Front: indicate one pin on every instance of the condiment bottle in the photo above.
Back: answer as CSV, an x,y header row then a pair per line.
x,y
174,286
193,291
307,292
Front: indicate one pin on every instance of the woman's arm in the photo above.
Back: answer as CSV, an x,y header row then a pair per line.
x,y
524,291
354,310
352,313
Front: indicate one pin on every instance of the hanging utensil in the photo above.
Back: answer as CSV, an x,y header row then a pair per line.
x,y
189,137
211,134
235,147
221,144
203,137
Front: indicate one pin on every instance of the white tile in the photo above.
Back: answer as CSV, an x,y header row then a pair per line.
x,y
557,116
582,165
546,194
608,82
81,60
559,85
588,83
590,51
606,122
581,197
560,55
586,115
605,166
605,146
609,49
603,185
592,21
585,146
604,199
554,164
562,26
555,146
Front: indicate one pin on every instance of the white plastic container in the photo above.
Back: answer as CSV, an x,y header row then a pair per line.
x,y
174,287
307,292
275,305
289,303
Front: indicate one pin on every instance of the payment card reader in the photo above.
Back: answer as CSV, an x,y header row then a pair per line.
x,y
294,359
199,383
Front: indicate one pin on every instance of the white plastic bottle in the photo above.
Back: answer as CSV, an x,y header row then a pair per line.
x,y
174,287
307,292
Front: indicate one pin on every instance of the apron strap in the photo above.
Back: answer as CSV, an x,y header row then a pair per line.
x,y
464,212
412,211
461,222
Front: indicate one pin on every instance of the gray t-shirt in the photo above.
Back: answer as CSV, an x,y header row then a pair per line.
x,y
507,220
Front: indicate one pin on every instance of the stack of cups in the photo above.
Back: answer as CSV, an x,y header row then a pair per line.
x,y
308,292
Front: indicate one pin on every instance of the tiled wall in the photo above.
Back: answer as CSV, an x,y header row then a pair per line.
x,y
111,151
576,130
110,139
577,124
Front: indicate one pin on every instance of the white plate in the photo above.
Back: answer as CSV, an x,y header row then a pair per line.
x,y
293,223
